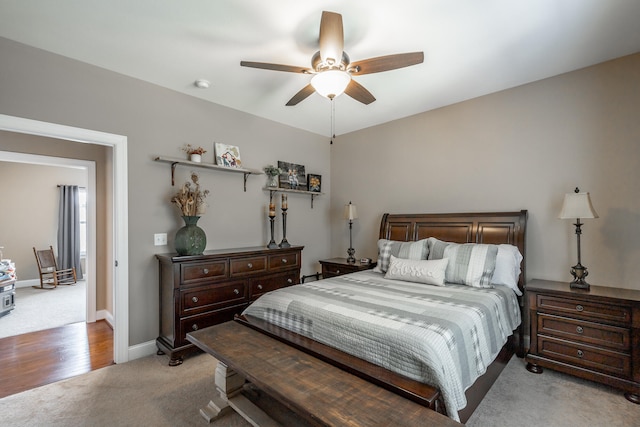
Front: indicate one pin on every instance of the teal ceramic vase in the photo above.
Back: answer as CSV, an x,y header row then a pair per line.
x,y
190,239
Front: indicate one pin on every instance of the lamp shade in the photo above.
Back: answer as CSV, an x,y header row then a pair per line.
x,y
577,205
331,83
350,212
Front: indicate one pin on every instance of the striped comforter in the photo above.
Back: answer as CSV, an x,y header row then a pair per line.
x,y
442,336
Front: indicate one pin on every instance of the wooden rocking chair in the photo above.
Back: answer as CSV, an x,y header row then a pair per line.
x,y
50,275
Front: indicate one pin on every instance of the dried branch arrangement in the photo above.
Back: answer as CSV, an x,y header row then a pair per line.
x,y
190,199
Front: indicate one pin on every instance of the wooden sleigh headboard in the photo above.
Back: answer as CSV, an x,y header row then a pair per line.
x,y
485,227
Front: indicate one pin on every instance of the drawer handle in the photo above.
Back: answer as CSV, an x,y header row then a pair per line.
x,y
290,281
579,307
337,271
579,329
235,291
284,260
205,271
260,287
194,299
250,265
194,327
580,354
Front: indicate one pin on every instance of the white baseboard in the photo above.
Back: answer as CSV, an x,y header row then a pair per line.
x,y
142,350
105,315
136,351
27,283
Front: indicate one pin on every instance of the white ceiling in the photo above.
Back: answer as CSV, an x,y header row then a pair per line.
x,y
471,47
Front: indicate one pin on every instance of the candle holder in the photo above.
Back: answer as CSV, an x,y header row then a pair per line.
x,y
272,216
284,243
272,243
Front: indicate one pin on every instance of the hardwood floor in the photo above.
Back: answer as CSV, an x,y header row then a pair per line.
x,y
38,358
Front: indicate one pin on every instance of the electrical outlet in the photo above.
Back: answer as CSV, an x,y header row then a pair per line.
x,y
160,239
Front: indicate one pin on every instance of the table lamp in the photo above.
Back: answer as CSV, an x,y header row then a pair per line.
x,y
350,213
578,205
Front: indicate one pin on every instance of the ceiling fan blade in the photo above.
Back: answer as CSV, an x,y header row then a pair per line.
x,y
331,38
276,67
359,93
302,95
386,63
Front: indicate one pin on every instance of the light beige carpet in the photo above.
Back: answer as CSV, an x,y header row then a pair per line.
x,y
39,309
147,392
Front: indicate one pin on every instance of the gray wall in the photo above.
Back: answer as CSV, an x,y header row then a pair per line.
x,y
522,148
38,85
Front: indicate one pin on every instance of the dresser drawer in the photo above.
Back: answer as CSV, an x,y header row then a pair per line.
x,y
284,261
197,322
197,272
243,266
585,332
585,310
211,297
270,283
585,356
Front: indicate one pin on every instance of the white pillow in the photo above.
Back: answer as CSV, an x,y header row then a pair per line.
x,y
471,264
430,272
507,269
406,250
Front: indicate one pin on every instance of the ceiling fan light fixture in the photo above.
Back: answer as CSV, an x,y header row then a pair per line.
x,y
331,83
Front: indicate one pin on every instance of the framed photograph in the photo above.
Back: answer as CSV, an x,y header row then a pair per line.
x,y
227,155
292,176
314,183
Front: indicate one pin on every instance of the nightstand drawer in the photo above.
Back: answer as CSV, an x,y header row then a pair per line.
x,y
585,310
585,356
248,265
330,270
585,332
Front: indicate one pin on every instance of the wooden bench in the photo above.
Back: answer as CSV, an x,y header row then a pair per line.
x,y
317,391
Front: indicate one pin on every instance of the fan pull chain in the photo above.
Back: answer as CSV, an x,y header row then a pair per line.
x,y
333,121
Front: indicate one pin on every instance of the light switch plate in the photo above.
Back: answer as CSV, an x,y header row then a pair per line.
x,y
160,239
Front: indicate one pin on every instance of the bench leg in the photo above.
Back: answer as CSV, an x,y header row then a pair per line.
x,y
229,384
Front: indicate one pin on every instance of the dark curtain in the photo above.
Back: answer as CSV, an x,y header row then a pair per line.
x,y
69,229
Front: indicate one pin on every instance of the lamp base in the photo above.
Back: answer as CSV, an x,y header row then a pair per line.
x,y
579,272
351,258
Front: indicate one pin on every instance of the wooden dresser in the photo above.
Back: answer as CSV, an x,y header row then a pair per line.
x,y
592,334
204,290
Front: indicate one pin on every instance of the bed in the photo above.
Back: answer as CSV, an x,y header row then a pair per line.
x,y
342,320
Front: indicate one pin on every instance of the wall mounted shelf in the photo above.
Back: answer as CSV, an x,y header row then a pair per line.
x,y
272,190
175,162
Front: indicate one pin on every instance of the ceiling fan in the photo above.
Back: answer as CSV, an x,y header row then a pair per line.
x,y
332,69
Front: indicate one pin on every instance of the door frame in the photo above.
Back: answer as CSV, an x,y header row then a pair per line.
x,y
120,208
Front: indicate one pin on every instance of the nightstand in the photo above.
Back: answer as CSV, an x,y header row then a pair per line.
x,y
339,266
592,334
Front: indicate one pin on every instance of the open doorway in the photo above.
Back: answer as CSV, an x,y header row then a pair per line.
x,y
119,226
34,223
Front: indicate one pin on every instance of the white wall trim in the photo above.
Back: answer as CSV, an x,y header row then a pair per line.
x,y
120,204
143,350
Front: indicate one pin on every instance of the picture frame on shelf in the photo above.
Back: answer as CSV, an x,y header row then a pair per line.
x,y
314,183
227,155
293,176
